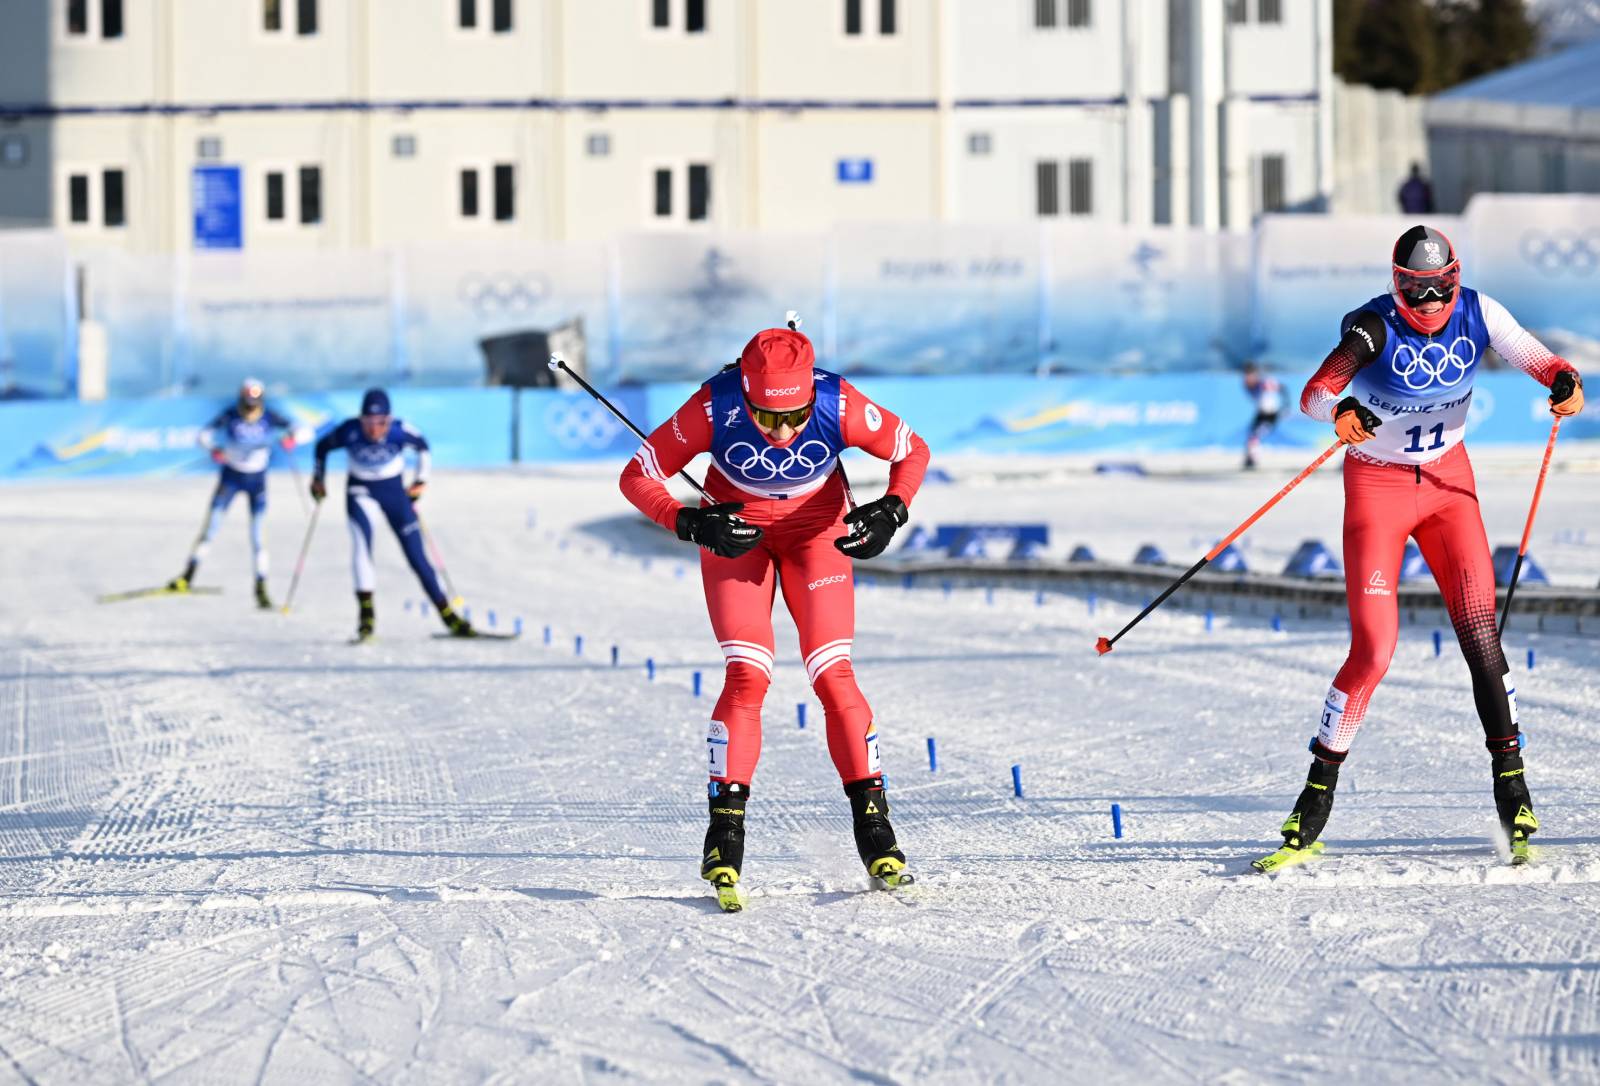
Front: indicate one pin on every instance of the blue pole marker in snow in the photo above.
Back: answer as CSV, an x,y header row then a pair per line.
x,y
696,684
491,620
408,605
1211,619
933,757
1016,781
466,613
547,635
1438,643
1530,659
1091,603
677,571
946,586
530,518
988,595
1116,820
577,645
800,714
422,609
908,580
613,656
1277,623
1038,598
517,626
650,668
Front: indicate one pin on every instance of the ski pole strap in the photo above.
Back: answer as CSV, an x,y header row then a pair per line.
x,y
561,366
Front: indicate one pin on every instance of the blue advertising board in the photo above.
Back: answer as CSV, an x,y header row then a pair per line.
x,y
218,196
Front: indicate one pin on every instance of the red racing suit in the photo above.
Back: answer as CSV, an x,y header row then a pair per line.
x,y
1413,479
796,496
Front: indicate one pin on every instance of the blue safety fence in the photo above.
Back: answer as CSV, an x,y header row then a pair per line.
x,y
474,427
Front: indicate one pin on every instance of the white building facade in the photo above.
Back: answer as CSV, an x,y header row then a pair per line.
x,y
162,125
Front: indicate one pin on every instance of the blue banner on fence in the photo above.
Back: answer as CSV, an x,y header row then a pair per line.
x,y
472,428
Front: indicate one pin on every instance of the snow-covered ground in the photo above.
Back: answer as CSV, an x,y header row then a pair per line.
x,y
234,848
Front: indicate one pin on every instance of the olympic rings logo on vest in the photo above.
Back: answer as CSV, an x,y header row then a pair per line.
x,y
792,464
1436,363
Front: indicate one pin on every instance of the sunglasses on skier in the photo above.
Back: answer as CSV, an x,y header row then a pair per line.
x,y
1417,287
771,420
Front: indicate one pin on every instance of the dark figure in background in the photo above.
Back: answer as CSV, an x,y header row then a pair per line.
x,y
1416,195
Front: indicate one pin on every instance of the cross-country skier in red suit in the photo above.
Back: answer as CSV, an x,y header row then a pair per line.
x,y
1397,389
775,426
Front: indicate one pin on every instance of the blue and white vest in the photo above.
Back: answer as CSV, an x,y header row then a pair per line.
x,y
761,469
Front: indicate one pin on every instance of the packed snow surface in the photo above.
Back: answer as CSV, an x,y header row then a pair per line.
x,y
234,848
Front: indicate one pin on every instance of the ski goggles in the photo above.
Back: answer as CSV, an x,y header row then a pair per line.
x,y
771,420
1419,287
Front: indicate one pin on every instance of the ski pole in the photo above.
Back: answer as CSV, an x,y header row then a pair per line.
x,y
300,563
1527,530
438,558
558,365
1104,644
299,488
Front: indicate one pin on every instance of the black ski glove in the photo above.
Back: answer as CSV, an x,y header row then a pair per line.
x,y
872,526
319,489
718,529
1566,394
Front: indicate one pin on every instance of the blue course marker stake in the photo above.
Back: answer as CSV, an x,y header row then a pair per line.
x,y
650,668
1016,781
547,635
1116,820
696,684
422,609
1277,623
1530,659
988,595
577,645
491,620
800,714
933,757
408,605
1211,619
946,586
614,656
1091,603
466,613
1438,643
516,626
1038,598
907,580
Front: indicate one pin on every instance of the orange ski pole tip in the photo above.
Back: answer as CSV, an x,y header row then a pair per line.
x,y
1103,645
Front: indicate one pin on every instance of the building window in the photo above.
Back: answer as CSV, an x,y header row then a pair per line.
x,y
505,192
1080,186
78,198
1074,14
663,194
1078,13
1047,183
855,17
111,18
310,195
694,16
852,17
77,20
501,21
80,21
1238,11
886,17
1270,11
979,143
1044,14
274,196
661,14
113,209
305,11
699,192
469,194
467,14
1273,180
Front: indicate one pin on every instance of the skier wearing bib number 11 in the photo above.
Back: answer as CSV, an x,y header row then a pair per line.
x,y
775,426
1396,389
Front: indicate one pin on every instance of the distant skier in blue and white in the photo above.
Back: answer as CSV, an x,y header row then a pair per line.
x,y
375,445
240,439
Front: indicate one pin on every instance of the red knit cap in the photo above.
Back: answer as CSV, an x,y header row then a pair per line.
x,y
777,367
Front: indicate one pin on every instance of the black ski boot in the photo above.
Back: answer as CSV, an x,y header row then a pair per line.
x,y
182,581
1304,825
458,626
723,855
1511,799
263,601
875,842
368,617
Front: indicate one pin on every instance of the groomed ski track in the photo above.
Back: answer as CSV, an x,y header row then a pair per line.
x,y
235,849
